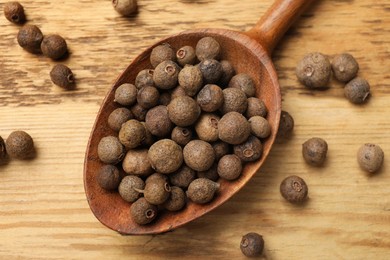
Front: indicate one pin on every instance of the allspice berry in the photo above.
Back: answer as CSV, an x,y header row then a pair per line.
x,y
166,74
110,150
286,125
14,12
202,190
370,157
132,134
220,149
207,48
139,112
233,128
149,138
314,70
165,98
314,151
234,99
249,151
30,38
191,79
198,155
294,189
182,177
142,212
256,107
227,72
118,117
3,151
20,145
157,121
160,53
54,46
62,76
182,135
210,98
177,92
157,176
211,70
148,97
156,192
125,7
108,177
186,55
260,126
165,156
252,245
229,167
183,111
245,83
207,127
176,200
129,188
357,90
344,67
144,78
211,174
136,163
126,94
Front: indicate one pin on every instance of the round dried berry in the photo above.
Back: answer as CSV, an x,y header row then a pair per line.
x,y
234,99
256,107
176,200
191,80
210,98
314,70
186,55
211,71
286,125
177,92
260,126
357,91
157,121
20,145
108,177
207,127
110,150
118,117
183,177
199,155
156,192
211,174
181,135
126,94
125,7
220,149
136,163
165,75
202,190
183,111
252,245
142,212
14,12
207,48
62,76
344,67
132,134
165,98
165,156
250,150
233,128
144,78
294,189
160,53
129,188
30,38
229,167
227,73
245,83
148,97
54,46
139,112
314,151
370,157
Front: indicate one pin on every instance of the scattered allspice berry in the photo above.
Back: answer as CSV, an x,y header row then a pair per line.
x,y
357,90
314,70
109,177
314,151
344,67
286,125
54,46
125,7
176,200
3,151
294,189
186,55
20,145
129,188
62,76
252,245
14,12
142,212
110,150
202,190
30,38
370,157
118,117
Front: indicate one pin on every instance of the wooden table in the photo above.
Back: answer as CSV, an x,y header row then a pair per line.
x,y
44,213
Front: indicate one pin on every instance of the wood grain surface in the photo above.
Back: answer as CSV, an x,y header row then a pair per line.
x,y
43,209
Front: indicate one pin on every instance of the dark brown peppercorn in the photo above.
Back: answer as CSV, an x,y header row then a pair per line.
x,y
260,126
199,155
30,38
234,99
256,107
211,174
108,177
314,70
202,190
207,127
142,212
62,76
129,188
245,83
160,53
136,163
210,98
3,151
148,97
186,55
126,94
191,80
183,177
118,117
144,78
344,67
14,12
220,149
125,7
211,71
370,157
139,112
110,150
314,151
227,73
165,75
357,91
233,128
252,245
294,189
229,167
250,150
132,134
286,125
183,111
54,46
181,135
176,201
207,48
165,156
156,192
20,145
157,121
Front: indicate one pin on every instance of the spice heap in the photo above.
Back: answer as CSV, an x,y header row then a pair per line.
x,y
181,125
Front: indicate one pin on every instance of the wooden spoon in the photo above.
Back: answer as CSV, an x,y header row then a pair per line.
x,y
249,52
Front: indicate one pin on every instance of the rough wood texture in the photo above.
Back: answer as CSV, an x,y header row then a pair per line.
x,y
44,213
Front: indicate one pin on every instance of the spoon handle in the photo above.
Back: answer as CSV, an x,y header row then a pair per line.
x,y
276,21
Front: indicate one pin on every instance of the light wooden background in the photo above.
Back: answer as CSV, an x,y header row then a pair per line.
x,y
43,210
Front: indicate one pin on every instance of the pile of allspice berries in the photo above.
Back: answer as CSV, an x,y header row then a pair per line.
x,y
182,125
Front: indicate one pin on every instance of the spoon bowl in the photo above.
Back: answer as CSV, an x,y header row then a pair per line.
x,y
249,53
